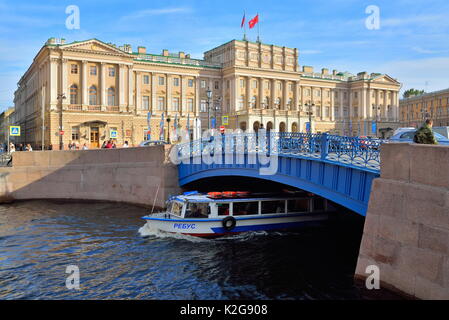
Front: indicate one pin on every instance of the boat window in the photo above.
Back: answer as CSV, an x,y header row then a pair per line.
x,y
318,204
276,206
176,208
197,210
298,205
223,209
245,208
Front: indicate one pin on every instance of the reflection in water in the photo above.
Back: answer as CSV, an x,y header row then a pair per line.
x,y
39,239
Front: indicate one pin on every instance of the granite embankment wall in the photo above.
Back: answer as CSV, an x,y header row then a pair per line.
x,y
406,230
125,175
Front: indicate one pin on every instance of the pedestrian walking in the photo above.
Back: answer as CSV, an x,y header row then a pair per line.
x,y
125,145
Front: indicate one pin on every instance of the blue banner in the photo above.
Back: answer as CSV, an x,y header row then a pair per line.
x,y
374,127
149,126
308,127
213,123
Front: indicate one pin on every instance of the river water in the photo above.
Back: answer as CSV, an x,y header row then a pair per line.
x,y
39,239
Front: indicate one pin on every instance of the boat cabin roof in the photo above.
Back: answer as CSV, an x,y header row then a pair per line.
x,y
254,197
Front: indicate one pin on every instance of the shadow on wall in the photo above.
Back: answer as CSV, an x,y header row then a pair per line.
x,y
132,175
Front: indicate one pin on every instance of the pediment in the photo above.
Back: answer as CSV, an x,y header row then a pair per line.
x,y
384,78
94,45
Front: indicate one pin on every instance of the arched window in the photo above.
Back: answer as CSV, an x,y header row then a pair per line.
x,y
282,127
92,96
73,94
111,97
294,127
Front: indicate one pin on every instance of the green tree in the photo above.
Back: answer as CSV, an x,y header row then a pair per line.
x,y
413,92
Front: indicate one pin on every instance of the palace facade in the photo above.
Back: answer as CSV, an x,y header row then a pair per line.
x,y
86,90
433,105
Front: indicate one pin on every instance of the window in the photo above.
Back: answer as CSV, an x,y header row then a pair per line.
x,y
318,93
336,94
93,70
223,209
277,206
318,111
73,94
176,208
203,84
345,95
242,83
279,86
298,205
197,210
111,71
161,81
203,106
160,103
245,208
228,84
111,97
75,133
146,79
175,104
146,103
308,92
74,69
290,86
267,85
254,84
217,85
355,95
176,82
241,103
190,105
190,84
92,96
326,112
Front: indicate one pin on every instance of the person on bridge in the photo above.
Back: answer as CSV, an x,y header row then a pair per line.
x,y
424,135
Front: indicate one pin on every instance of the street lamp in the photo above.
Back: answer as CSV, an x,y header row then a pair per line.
x,y
209,97
168,129
310,113
60,97
376,110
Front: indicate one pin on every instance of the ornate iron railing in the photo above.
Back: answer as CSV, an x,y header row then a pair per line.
x,y
5,159
350,151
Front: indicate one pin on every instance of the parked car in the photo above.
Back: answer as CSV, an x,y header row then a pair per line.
x,y
406,136
150,143
444,131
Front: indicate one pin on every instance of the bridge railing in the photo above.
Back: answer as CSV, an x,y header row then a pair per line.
x,y
352,151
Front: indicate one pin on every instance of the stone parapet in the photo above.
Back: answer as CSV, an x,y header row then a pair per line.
x,y
406,230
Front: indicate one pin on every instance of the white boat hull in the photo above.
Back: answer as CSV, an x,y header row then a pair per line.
x,y
214,227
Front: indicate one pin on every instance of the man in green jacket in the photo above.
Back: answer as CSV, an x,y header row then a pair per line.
x,y
425,134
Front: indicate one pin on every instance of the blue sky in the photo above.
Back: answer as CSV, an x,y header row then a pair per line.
x,y
411,45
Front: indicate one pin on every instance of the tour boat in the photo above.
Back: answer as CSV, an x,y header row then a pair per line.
x,y
231,212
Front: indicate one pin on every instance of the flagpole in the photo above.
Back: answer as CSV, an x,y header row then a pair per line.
x,y
258,30
244,26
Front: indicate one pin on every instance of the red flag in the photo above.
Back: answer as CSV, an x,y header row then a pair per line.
x,y
254,21
243,21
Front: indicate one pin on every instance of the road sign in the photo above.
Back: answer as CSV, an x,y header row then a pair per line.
x,y
14,131
61,132
225,120
113,134
222,129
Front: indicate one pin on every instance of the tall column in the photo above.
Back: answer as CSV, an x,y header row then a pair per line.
x,y
363,104
64,88
121,86
84,89
197,97
138,92
351,111
103,84
295,96
154,107
261,95
183,106
370,103
53,87
248,93
272,95
169,86
130,87
284,94
332,106
341,110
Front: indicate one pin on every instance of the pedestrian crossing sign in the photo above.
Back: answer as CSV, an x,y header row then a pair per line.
x,y
14,131
225,120
113,134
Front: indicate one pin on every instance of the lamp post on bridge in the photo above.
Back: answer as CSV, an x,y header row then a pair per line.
x,y
60,98
376,109
310,113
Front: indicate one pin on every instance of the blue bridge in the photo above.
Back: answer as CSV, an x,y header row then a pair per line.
x,y
340,169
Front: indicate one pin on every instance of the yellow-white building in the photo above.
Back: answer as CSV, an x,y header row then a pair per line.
x,y
82,91
433,105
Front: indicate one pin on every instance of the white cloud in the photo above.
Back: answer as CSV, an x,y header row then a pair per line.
x,y
310,51
426,51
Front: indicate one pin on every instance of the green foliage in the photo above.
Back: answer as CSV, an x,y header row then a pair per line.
x,y
413,92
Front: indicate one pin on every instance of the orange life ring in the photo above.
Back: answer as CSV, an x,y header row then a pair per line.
x,y
215,195
229,194
243,194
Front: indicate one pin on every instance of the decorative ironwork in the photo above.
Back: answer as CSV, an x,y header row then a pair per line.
x,y
349,151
